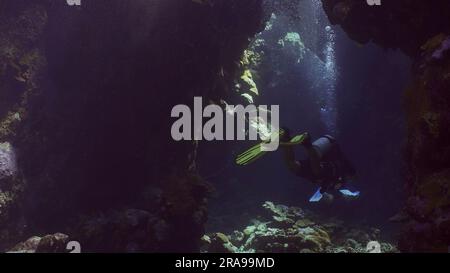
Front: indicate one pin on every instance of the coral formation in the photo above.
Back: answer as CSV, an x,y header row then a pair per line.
x,y
294,45
427,153
21,70
291,229
53,243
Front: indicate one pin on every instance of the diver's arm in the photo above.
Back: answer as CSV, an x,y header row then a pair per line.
x,y
289,159
289,154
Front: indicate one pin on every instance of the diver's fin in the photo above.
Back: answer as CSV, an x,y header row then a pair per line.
x,y
317,196
346,192
250,155
254,152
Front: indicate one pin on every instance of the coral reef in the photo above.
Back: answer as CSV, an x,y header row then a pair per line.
x,y
293,230
21,69
53,243
272,49
428,150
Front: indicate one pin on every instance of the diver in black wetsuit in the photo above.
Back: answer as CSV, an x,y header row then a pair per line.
x,y
325,166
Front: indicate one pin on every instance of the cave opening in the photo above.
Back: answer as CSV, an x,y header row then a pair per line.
x,y
87,158
325,83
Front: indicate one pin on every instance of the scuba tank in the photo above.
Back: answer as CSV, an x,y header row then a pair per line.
x,y
323,145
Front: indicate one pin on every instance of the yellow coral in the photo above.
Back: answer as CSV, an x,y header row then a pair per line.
x,y
250,58
247,78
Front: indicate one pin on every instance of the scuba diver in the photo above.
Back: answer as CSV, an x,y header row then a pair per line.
x,y
325,165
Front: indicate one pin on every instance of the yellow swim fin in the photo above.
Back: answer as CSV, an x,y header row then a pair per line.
x,y
255,152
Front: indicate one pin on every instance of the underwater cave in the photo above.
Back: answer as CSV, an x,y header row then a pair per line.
x,y
87,155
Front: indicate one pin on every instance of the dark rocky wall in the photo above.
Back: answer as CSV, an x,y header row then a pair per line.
x,y
404,24
420,29
95,147
22,66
